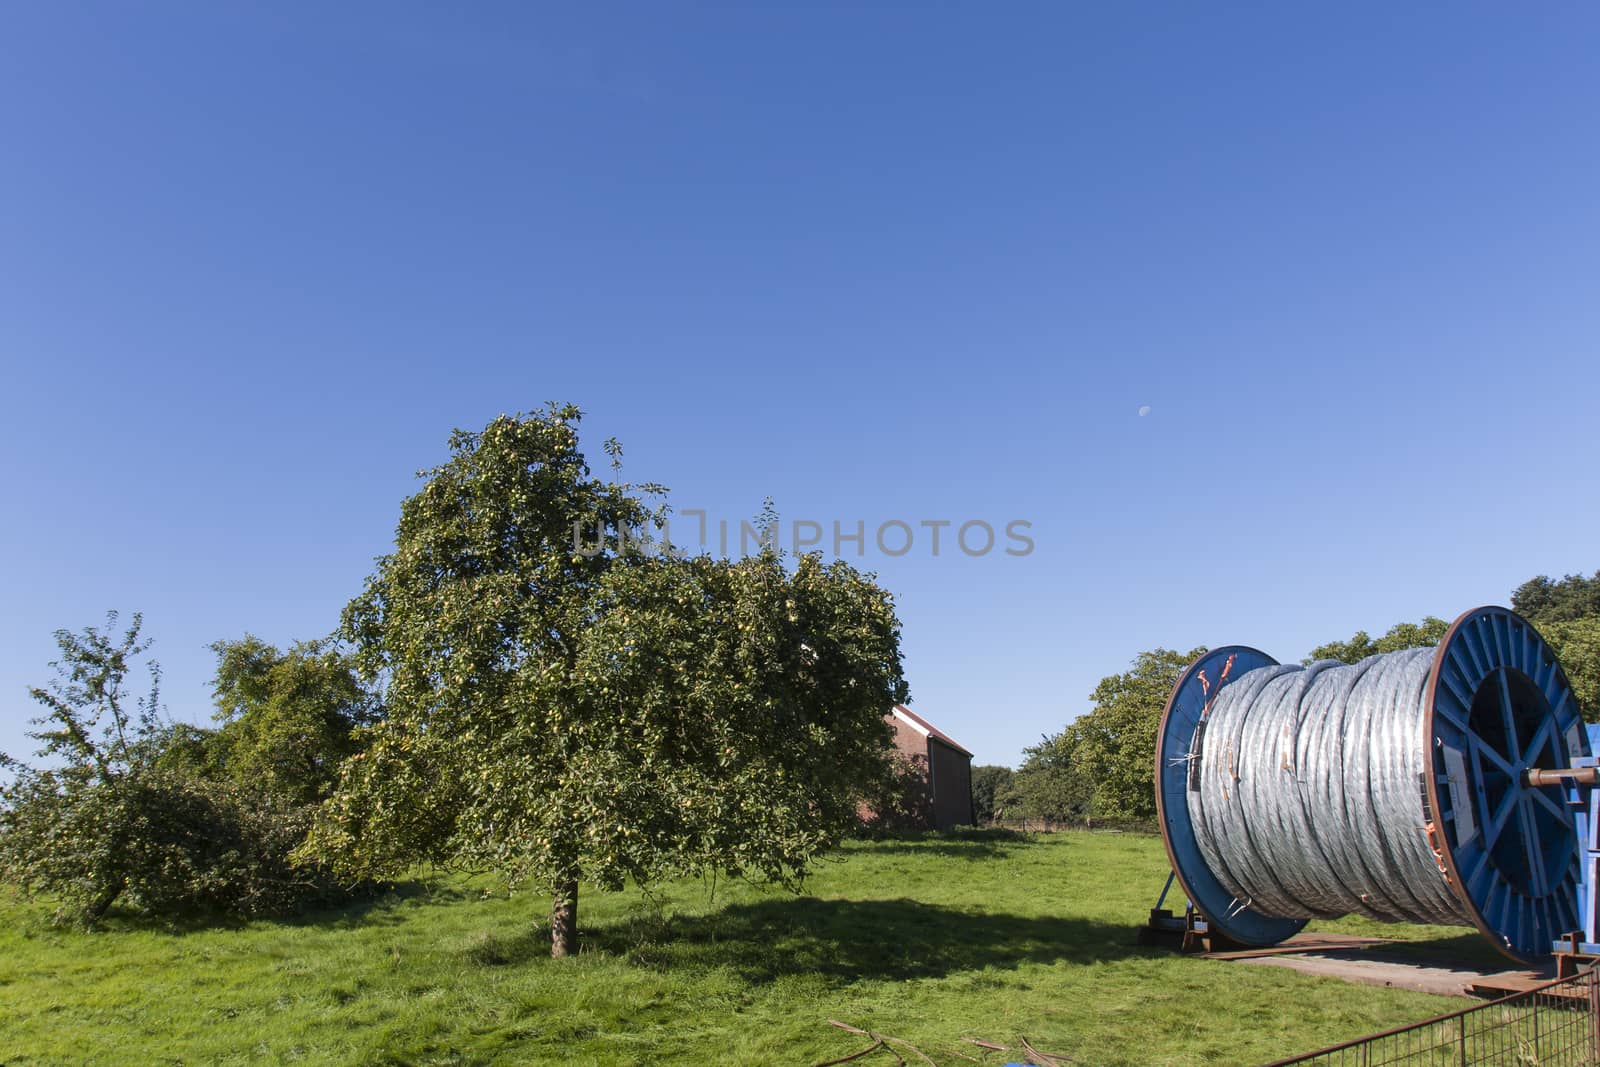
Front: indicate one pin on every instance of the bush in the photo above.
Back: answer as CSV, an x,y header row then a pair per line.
x,y
120,819
163,844
1052,792
288,719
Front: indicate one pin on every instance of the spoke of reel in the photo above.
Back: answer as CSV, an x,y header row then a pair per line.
x,y
1482,748
1508,715
1531,851
1541,737
1497,821
1561,814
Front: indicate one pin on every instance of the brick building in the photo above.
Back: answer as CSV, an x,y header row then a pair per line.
x,y
944,765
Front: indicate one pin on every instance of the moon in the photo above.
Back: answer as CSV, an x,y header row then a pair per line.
x,y
1144,409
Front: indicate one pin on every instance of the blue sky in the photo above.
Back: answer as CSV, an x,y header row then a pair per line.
x,y
878,262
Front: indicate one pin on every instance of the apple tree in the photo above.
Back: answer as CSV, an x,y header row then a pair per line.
x,y
558,714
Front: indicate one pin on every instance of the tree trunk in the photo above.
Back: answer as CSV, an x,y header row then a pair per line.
x,y
564,921
102,903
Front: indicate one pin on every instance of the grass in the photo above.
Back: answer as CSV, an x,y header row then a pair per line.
x,y
931,938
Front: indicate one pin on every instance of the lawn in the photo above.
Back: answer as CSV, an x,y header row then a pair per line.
x,y
930,938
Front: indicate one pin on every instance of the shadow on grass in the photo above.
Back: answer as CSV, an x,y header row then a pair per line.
x,y
888,939
378,906
968,844
360,909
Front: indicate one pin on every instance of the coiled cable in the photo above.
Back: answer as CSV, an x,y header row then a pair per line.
x,y
1306,792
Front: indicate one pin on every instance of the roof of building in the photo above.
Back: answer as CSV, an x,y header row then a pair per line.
x,y
926,728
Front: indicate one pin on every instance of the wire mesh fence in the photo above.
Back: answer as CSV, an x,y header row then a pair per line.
x,y
1553,1025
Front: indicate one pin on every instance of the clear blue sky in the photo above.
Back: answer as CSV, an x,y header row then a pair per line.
x,y
875,261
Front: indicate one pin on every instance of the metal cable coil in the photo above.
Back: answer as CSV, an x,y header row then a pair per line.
x,y
1306,792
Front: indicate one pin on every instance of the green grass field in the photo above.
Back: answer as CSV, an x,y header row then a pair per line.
x,y
931,938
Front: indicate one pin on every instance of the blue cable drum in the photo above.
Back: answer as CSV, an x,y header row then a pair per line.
x,y
1495,705
1190,700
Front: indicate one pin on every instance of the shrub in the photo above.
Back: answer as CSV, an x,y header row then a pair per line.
x,y
118,819
161,843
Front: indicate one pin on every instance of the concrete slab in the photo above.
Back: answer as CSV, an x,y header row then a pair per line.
x,y
1380,961
1384,967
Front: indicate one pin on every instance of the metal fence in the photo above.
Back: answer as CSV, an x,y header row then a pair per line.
x,y
1553,1025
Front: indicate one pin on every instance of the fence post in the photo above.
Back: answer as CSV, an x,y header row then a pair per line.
x,y
1538,1003
1594,1013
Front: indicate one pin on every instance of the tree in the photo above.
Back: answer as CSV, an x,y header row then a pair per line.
x,y
1577,646
288,718
1401,636
1542,601
1051,783
990,786
1113,746
1117,740
66,829
557,714
1567,613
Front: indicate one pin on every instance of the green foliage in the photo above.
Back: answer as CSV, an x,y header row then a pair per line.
x,y
1542,601
162,843
288,718
184,749
1103,763
67,829
1567,613
990,786
1577,646
1050,784
1114,745
554,714
125,813
1398,637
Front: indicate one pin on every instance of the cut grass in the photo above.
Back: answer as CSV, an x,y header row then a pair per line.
x,y
931,938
